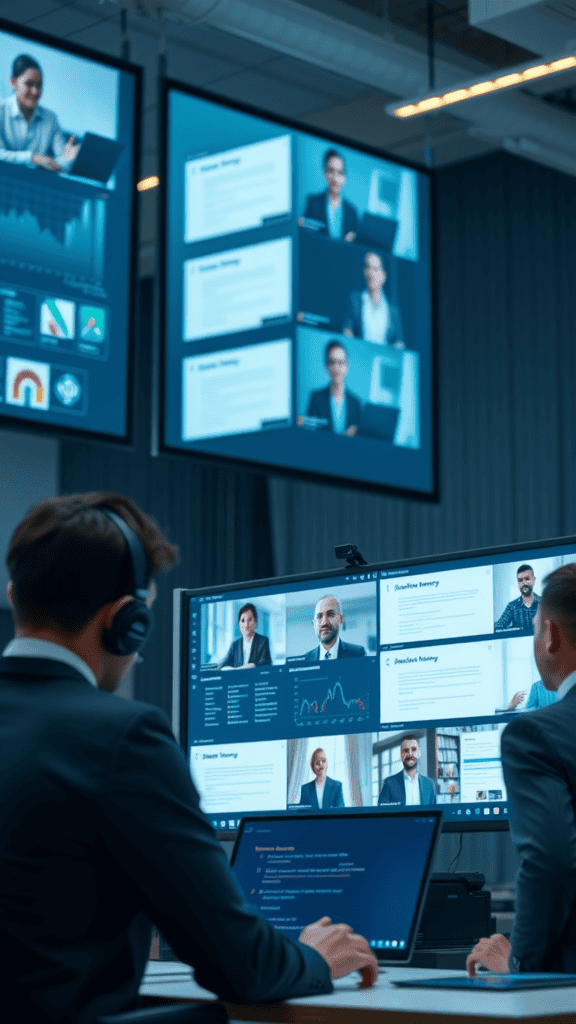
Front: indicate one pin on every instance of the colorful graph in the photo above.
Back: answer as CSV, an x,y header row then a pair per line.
x,y
334,703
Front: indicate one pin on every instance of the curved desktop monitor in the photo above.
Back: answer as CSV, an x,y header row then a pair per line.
x,y
376,688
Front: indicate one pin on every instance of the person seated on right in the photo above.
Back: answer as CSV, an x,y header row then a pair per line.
x,y
322,793
251,648
333,215
369,314
336,404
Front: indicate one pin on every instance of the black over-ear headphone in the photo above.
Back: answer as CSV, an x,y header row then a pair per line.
x,y
131,625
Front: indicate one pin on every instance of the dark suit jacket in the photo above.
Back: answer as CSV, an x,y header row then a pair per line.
x,y
394,790
333,795
316,210
101,833
346,651
320,407
353,319
539,762
259,652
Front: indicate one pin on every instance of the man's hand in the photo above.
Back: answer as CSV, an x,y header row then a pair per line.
x,y
342,949
492,953
71,149
46,162
516,699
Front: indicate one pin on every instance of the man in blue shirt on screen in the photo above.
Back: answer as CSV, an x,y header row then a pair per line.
x,y
520,614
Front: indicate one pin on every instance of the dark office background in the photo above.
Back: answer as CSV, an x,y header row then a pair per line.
x,y
506,371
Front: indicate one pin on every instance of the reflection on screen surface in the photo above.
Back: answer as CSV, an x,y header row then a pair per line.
x,y
375,689
66,187
298,305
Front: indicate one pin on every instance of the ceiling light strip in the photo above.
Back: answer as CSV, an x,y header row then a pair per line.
x,y
482,87
147,183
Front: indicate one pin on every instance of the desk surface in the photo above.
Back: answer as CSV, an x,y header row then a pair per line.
x,y
349,1004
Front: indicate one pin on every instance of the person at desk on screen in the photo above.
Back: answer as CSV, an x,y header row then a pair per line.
x,y
539,766
336,405
369,314
520,613
539,697
408,787
30,133
323,793
101,829
329,211
251,648
328,620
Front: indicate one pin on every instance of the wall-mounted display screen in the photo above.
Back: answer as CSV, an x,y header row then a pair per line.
x,y
379,687
67,161
297,307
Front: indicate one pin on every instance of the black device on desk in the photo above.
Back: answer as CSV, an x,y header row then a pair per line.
x,y
97,158
456,913
378,421
368,870
377,230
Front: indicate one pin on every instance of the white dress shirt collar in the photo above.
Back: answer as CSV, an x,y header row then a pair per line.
x,y
334,651
28,647
566,685
14,111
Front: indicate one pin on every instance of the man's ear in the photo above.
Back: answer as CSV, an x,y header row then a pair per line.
x,y
10,592
109,611
554,638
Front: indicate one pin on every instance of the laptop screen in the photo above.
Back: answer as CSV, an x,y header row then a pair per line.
x,y
369,871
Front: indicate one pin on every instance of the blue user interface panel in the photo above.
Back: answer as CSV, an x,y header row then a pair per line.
x,y
297,300
66,214
368,689
292,870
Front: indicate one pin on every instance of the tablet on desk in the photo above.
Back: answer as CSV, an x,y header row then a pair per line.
x,y
495,982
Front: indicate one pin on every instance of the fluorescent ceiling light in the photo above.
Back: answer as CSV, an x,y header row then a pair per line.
x,y
482,87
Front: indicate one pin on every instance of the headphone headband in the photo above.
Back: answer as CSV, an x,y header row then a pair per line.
x,y
138,560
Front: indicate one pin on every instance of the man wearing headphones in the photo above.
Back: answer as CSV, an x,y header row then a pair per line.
x,y
101,832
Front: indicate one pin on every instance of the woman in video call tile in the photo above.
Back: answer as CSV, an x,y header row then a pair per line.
x,y
251,648
30,133
369,314
336,406
323,793
331,213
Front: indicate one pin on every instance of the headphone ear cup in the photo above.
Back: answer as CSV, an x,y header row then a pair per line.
x,y
130,629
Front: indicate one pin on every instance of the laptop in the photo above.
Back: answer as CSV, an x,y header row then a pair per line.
x,y
97,158
376,230
378,421
366,869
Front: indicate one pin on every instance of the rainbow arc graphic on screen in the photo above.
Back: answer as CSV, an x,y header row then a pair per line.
x,y
34,378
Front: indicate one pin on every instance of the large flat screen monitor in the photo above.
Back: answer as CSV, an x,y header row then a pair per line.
x,y
67,216
374,687
297,321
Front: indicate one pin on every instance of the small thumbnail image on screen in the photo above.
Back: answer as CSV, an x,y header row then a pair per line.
x,y
517,589
357,388
331,623
244,633
354,197
329,772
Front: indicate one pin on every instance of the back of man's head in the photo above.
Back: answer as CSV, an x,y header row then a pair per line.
x,y
558,600
67,559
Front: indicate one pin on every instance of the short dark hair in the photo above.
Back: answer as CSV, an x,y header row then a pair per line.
x,y
319,750
334,344
248,608
331,153
559,599
24,63
67,559
524,568
410,736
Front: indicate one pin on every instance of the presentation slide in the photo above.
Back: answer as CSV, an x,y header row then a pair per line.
x,y
67,200
236,391
239,189
480,766
440,682
437,606
240,777
239,290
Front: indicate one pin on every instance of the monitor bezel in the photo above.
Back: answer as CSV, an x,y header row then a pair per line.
x,y
159,441
403,956
181,607
126,441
